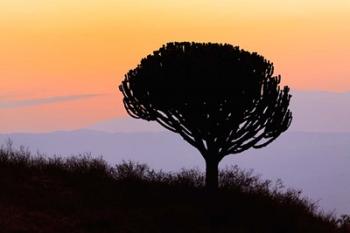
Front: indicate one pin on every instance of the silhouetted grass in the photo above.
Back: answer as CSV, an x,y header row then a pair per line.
x,y
83,194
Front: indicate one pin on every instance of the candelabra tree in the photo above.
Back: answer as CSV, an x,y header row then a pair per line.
x,y
219,98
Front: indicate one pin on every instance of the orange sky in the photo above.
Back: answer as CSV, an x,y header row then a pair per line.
x,y
62,60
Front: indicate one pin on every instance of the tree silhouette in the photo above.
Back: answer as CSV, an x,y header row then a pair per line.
x,y
219,98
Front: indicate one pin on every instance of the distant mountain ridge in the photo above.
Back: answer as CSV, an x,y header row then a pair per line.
x,y
320,111
126,125
313,111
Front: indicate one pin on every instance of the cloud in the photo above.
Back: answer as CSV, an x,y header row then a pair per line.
x,y
42,101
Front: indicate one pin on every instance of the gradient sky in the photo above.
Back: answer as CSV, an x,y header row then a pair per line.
x,y
62,60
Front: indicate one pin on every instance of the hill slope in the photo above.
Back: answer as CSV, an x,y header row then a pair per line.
x,y
86,195
301,160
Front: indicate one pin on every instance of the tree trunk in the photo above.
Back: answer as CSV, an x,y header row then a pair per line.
x,y
211,176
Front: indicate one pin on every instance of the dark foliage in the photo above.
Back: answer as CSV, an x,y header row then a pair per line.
x,y
82,194
219,98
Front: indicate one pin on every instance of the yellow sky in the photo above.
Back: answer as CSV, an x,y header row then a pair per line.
x,y
57,48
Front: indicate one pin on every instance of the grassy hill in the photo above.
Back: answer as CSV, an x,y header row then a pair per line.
x,y
81,194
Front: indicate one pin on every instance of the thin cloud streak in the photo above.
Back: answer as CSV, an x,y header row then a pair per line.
x,y
43,101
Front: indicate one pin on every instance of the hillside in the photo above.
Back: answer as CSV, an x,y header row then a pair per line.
x,y
300,159
80,194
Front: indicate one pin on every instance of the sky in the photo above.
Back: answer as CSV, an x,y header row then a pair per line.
x,y
61,61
